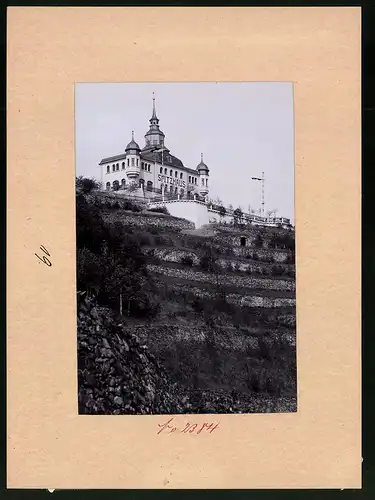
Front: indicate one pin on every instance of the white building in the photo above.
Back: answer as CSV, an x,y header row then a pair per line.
x,y
153,172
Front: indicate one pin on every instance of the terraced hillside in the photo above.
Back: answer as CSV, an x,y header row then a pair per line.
x,y
217,310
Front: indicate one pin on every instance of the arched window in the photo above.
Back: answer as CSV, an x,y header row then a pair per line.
x,y
171,173
108,169
123,165
195,180
149,186
142,165
122,183
113,168
115,185
133,162
175,174
189,194
189,178
171,189
161,170
243,241
137,162
165,171
181,175
117,166
149,167
128,161
108,186
202,182
176,191
206,182
181,192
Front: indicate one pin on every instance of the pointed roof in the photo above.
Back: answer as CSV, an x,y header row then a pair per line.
x,y
202,166
132,144
153,117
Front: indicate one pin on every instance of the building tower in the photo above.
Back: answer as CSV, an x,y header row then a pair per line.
x,y
203,172
154,137
132,165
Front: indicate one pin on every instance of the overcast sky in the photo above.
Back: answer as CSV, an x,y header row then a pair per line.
x,y
241,128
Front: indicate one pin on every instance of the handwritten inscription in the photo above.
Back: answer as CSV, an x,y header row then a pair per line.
x,y
190,428
44,259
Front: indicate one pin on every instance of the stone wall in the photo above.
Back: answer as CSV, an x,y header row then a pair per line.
x,y
239,299
144,220
225,279
176,256
194,210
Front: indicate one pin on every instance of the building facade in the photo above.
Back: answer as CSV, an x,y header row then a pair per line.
x,y
153,172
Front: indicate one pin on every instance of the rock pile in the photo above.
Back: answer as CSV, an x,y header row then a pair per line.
x,y
116,373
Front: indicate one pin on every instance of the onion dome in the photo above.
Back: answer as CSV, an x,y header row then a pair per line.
x,y
132,146
202,167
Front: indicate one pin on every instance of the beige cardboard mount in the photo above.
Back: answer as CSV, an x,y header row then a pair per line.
x,y
49,50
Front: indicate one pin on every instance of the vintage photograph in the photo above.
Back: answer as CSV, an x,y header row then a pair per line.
x,y
185,241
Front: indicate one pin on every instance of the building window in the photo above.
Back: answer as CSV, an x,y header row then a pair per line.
x,y
175,191
181,192
171,189
133,162
113,168
115,185
189,178
141,183
155,141
165,171
195,180
137,162
202,182
175,174
107,169
206,182
122,183
171,173
181,175
149,168
117,166
142,165
128,161
161,170
108,186
149,186
123,165
243,241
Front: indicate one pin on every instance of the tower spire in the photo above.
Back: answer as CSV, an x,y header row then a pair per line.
x,y
201,157
132,135
154,117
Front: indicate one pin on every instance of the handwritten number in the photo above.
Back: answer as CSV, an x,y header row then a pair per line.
x,y
43,248
44,259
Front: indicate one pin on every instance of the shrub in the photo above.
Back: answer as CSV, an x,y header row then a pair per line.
x,y
237,267
187,260
258,241
277,270
159,210
86,185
